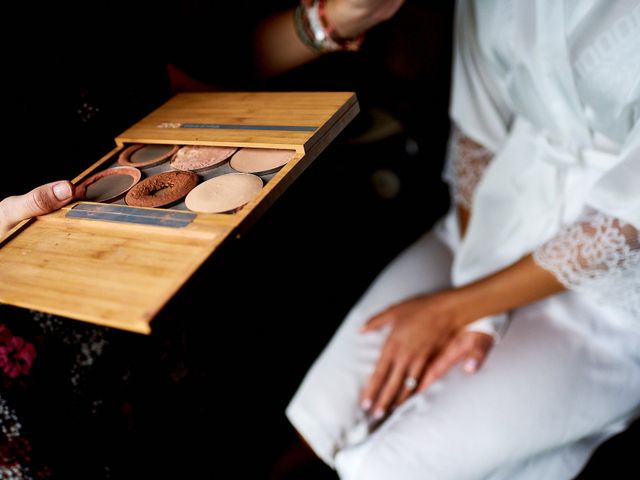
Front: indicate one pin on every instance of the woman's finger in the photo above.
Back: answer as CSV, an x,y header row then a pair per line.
x,y
39,201
451,354
475,357
471,348
377,321
391,388
411,381
375,382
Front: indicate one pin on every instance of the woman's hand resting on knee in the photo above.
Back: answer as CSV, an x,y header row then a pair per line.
x,y
425,340
427,337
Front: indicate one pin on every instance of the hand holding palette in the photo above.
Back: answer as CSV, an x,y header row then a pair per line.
x,y
185,179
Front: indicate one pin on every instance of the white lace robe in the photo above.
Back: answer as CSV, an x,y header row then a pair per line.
x,y
558,178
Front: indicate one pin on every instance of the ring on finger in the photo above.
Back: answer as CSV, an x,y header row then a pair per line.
x,y
410,383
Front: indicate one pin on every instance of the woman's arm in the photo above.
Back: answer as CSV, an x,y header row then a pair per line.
x,y
279,48
521,283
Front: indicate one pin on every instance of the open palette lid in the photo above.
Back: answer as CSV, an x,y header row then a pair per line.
x,y
117,265
262,120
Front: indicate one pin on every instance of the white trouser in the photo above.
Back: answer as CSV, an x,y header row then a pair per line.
x,y
565,377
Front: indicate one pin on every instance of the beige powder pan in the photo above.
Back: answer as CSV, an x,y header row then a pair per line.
x,y
195,158
140,155
224,193
261,160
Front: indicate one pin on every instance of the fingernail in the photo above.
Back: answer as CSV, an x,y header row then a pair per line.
x,y
62,191
378,414
366,404
470,365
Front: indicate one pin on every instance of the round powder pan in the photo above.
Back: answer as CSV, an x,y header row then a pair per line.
x,y
162,189
260,161
225,193
109,185
141,155
197,158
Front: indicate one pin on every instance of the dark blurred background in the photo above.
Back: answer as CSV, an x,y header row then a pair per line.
x,y
207,391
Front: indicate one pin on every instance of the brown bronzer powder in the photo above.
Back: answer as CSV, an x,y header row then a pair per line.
x,y
162,189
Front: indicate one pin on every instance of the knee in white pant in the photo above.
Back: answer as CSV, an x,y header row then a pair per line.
x,y
389,456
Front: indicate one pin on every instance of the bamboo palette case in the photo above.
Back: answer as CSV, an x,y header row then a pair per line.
x,y
191,175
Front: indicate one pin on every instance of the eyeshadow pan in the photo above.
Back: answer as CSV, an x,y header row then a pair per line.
x,y
141,155
196,158
162,189
108,185
224,193
260,160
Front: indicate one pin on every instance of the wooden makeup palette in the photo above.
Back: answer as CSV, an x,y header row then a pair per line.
x,y
89,260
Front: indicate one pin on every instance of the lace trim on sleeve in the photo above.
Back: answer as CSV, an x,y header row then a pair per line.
x,y
465,164
598,255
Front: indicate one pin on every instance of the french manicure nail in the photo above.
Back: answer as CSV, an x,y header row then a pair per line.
x,y
470,365
62,191
366,404
378,414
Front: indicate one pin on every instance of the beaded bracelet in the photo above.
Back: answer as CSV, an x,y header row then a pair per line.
x,y
316,31
301,24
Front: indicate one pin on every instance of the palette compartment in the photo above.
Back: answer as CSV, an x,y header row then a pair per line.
x,y
260,161
154,189
225,193
162,189
108,185
200,158
140,155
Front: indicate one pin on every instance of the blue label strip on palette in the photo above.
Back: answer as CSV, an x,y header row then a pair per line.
x,y
231,126
126,214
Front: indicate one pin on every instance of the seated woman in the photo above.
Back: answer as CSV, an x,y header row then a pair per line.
x,y
544,166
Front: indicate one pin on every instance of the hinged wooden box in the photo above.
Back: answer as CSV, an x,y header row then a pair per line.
x,y
117,265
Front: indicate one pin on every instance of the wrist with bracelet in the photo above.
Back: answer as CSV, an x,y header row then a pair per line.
x,y
317,32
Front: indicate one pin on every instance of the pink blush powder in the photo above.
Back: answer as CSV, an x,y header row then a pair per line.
x,y
193,158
